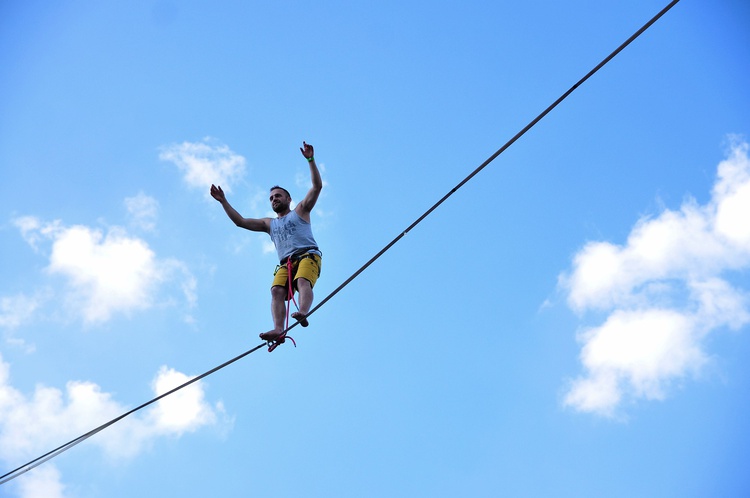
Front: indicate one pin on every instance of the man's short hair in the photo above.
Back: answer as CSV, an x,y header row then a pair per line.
x,y
281,188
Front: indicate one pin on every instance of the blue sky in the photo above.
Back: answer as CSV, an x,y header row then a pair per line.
x,y
573,322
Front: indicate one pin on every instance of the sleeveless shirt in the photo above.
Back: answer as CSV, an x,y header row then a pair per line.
x,y
292,234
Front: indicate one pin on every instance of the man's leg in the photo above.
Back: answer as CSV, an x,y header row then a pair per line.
x,y
305,301
278,310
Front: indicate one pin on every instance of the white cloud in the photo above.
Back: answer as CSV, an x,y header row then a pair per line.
x,y
664,290
32,425
17,310
104,273
636,351
182,411
733,188
107,273
205,163
41,483
143,211
34,231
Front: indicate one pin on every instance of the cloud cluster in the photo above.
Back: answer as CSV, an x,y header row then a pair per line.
x,y
32,425
663,292
205,162
104,273
94,274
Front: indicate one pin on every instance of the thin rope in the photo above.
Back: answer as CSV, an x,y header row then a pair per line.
x,y
51,454
60,449
498,152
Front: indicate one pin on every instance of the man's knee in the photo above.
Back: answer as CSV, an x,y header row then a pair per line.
x,y
278,292
303,282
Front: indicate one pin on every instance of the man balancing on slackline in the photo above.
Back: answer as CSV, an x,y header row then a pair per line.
x,y
291,233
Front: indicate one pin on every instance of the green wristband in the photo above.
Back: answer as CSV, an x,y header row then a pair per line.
x,y
310,159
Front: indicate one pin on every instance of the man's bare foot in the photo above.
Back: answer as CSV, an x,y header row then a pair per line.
x,y
272,335
301,318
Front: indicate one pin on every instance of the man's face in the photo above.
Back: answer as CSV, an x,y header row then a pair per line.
x,y
279,201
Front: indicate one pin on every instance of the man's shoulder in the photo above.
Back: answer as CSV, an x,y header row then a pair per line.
x,y
302,213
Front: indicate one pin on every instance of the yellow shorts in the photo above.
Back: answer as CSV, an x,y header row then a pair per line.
x,y
307,268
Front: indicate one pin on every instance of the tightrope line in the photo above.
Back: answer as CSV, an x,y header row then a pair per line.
x,y
60,449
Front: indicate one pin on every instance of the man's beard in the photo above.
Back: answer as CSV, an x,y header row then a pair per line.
x,y
280,208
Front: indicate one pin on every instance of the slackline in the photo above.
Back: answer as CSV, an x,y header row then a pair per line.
x,y
60,449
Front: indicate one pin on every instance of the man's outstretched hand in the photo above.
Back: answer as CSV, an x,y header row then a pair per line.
x,y
307,150
217,193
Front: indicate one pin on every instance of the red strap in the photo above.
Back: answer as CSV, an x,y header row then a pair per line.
x,y
274,344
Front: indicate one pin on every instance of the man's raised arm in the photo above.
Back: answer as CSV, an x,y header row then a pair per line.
x,y
307,204
256,225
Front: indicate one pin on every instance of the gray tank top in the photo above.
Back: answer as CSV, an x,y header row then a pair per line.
x,y
291,234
